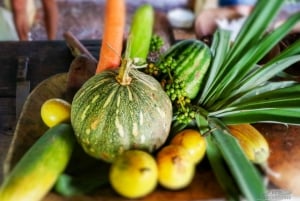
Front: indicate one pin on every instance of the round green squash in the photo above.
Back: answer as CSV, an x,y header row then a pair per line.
x,y
112,113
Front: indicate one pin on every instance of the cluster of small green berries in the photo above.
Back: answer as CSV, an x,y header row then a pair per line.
x,y
174,87
185,114
167,66
152,69
156,43
175,90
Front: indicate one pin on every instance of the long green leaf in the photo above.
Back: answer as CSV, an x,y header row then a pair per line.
x,y
219,48
247,177
293,49
245,64
258,78
267,72
289,115
255,26
248,37
252,95
217,163
282,97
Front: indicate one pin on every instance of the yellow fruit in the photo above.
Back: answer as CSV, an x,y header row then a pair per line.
x,y
252,142
134,174
55,111
193,141
176,169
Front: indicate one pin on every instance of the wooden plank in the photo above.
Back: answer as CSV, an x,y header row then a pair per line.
x,y
7,113
7,126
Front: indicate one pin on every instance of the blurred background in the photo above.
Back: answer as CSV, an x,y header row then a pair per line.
x,y
84,18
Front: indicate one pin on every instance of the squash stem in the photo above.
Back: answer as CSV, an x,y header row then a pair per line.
x,y
123,77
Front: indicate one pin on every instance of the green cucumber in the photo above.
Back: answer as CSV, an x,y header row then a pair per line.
x,y
37,171
140,34
193,59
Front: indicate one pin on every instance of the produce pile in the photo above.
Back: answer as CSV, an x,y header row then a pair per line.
x,y
149,117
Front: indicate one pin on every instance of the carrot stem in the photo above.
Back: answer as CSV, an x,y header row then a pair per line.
x,y
113,33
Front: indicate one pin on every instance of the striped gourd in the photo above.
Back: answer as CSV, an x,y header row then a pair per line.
x,y
192,61
110,117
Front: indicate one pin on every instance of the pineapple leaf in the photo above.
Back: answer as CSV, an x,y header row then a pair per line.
x,y
254,28
289,115
276,102
283,97
265,73
251,32
242,68
243,171
259,77
252,94
235,76
217,163
292,49
219,48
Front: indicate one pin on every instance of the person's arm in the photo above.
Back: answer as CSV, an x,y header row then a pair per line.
x,y
20,18
50,17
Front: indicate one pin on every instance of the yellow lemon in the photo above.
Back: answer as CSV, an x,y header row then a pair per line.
x,y
176,169
55,111
193,141
134,174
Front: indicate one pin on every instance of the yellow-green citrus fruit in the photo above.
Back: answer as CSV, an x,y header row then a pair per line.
x,y
55,111
134,174
176,169
193,141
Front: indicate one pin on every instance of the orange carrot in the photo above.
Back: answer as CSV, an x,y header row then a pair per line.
x,y
113,33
